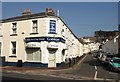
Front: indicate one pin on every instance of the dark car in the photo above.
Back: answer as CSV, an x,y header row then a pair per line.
x,y
114,64
95,54
106,58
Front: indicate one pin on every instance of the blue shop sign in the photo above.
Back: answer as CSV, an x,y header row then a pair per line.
x,y
52,29
49,39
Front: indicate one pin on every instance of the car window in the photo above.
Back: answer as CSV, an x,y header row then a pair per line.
x,y
116,60
110,56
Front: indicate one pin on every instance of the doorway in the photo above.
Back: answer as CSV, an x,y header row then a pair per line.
x,y
52,58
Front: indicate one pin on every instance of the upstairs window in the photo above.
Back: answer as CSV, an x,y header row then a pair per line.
x,y
14,28
63,32
0,30
34,26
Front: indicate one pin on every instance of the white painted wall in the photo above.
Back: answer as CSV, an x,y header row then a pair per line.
x,y
73,47
111,46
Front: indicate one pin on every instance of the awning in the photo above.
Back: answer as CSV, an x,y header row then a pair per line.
x,y
33,45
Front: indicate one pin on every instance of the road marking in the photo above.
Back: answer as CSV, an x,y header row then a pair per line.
x,y
95,77
95,67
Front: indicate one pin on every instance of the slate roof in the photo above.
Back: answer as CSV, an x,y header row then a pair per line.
x,y
32,16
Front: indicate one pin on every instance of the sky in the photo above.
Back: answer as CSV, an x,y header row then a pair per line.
x,y
83,18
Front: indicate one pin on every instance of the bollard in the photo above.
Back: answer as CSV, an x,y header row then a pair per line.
x,y
19,63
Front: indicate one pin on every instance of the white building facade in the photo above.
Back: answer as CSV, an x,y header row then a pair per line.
x,y
111,46
41,39
90,44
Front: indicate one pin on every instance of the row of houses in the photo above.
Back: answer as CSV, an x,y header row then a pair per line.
x,y
90,44
110,40
42,39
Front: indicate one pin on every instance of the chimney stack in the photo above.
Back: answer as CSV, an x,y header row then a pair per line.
x,y
26,12
50,10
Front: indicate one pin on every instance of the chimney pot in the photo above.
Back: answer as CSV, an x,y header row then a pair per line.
x,y
26,12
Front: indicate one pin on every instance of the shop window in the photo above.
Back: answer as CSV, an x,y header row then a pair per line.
x,y
34,26
33,54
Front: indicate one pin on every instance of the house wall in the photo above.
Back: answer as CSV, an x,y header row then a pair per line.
x,y
111,46
72,46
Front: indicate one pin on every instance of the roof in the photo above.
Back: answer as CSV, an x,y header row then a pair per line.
x,y
31,16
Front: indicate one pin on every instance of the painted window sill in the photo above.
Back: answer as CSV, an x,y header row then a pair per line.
x,y
33,33
12,56
52,33
13,35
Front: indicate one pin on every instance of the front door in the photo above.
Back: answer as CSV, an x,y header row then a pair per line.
x,y
52,58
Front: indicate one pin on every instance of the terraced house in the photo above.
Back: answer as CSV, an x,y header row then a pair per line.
x,y
41,39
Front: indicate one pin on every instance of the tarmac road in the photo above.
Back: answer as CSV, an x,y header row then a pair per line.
x,y
87,70
35,78
92,68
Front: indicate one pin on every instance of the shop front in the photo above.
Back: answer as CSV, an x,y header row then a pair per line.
x,y
45,50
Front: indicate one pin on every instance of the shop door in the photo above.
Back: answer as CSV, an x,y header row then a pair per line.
x,y
52,58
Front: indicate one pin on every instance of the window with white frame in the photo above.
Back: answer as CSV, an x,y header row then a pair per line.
x,y
14,28
34,26
13,48
33,54
0,30
63,32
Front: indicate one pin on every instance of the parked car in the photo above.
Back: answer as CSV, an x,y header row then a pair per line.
x,y
114,64
100,55
96,54
107,57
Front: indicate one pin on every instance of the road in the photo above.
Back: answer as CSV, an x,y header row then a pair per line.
x,y
88,70
17,76
37,78
92,68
